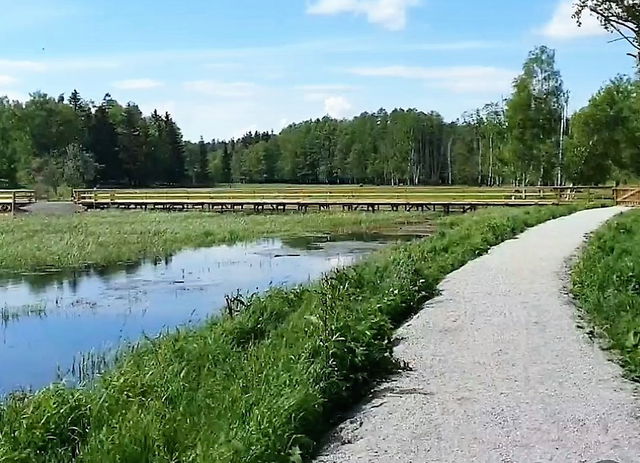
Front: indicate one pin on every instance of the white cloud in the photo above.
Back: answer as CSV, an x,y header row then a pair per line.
x,y
563,26
322,92
63,65
137,84
7,80
454,46
13,65
459,79
222,89
325,88
390,14
337,106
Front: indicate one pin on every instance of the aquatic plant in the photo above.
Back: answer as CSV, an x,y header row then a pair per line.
x,y
10,313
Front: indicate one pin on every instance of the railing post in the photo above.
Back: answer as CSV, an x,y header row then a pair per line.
x,y
13,203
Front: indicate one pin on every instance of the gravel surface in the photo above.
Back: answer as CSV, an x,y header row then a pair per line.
x,y
53,208
499,370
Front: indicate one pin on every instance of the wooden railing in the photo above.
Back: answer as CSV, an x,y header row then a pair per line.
x,y
10,200
337,194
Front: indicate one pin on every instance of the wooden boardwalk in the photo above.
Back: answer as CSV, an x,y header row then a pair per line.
x,y
305,198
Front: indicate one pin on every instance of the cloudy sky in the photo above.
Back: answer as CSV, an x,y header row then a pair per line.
x,y
223,67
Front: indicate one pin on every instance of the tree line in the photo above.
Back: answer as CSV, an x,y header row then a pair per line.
x,y
525,139
50,142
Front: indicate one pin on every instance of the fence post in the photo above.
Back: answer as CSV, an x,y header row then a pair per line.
x,y
13,203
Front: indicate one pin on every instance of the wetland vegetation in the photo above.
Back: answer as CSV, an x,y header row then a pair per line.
x,y
101,239
264,384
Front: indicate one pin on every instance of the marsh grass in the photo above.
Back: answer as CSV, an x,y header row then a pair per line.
x,y
263,385
10,313
606,283
105,238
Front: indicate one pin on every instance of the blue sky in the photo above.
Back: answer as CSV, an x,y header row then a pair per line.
x,y
223,67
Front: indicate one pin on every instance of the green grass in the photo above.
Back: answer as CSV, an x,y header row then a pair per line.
x,y
262,386
104,238
606,283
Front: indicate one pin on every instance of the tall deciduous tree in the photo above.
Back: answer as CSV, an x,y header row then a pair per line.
x,y
606,134
534,115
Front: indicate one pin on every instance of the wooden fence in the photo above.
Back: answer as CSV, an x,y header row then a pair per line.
x,y
627,196
11,200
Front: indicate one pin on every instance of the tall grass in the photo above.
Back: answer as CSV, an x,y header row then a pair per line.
x,y
106,238
261,386
606,283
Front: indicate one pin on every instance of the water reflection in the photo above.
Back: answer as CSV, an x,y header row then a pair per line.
x,y
51,317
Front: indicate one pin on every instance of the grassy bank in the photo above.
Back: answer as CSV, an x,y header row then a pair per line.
x,y
606,283
106,238
260,387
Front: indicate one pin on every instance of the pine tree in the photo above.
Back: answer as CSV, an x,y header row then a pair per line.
x,y
132,141
226,163
176,171
103,143
203,167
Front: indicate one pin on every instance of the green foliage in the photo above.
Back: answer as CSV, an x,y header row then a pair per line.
x,y
534,116
78,167
606,134
261,386
606,282
46,142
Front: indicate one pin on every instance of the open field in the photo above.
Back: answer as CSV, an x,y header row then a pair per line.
x,y
261,386
30,243
606,283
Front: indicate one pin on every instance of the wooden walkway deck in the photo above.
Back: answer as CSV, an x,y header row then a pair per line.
x,y
12,200
446,199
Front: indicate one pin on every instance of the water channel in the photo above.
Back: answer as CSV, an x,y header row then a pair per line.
x,y
50,320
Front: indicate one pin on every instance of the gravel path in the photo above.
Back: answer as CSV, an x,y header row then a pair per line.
x,y
500,372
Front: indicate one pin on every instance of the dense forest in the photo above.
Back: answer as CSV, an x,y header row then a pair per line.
x,y
527,139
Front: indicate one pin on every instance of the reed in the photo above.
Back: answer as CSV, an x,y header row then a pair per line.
x,y
106,238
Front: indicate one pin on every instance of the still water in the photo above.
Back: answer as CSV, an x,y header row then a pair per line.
x,y
48,320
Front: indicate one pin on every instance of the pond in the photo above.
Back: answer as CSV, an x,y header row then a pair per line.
x,y
49,322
